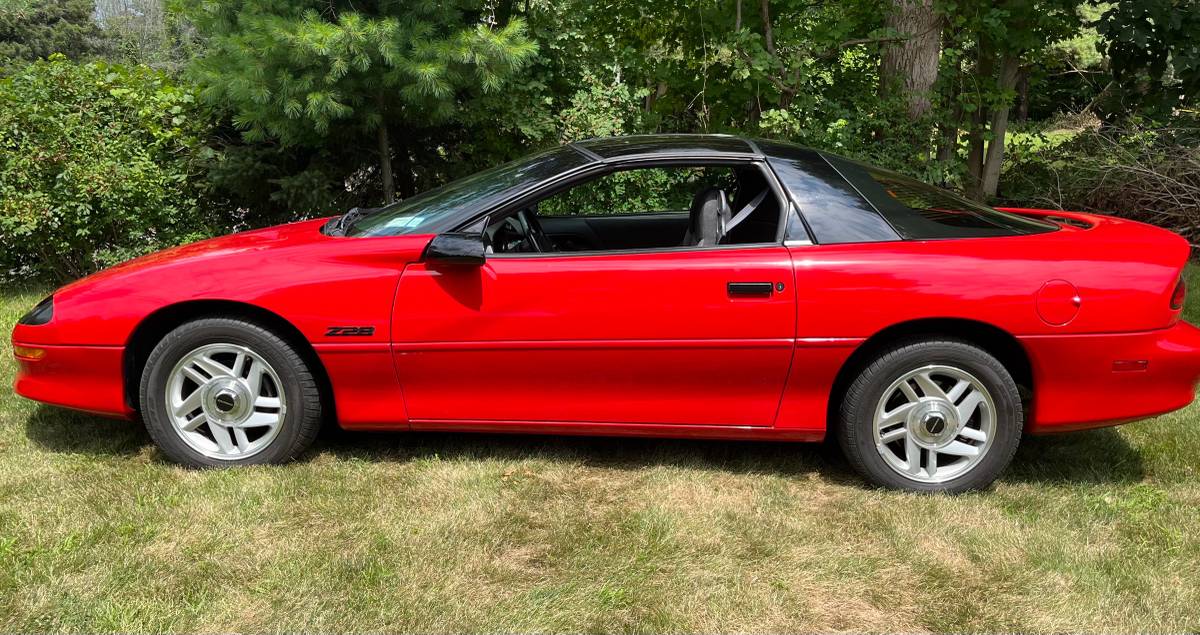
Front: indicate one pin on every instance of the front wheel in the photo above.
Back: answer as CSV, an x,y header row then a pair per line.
x,y
220,392
931,416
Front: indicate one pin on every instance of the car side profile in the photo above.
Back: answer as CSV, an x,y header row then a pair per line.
x,y
699,286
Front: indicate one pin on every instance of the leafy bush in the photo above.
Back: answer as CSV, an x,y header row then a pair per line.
x,y
603,109
98,163
1135,170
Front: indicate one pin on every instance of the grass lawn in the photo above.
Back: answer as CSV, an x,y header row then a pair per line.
x,y
1089,531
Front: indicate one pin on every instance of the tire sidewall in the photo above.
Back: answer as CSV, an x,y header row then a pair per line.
x,y
856,431
276,352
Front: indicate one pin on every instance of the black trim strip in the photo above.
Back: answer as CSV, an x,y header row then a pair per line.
x,y
585,152
754,146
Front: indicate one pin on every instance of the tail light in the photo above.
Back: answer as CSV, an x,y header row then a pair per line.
x,y
1179,295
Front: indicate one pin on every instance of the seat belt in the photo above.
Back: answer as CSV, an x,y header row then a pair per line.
x,y
745,212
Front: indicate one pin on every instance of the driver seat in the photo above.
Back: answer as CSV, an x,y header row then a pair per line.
x,y
710,214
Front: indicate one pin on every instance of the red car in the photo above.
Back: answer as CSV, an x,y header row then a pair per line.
x,y
684,286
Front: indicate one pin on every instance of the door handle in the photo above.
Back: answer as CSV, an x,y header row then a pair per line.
x,y
750,289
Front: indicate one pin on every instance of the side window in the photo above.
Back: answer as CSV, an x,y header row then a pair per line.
x,y
646,208
644,191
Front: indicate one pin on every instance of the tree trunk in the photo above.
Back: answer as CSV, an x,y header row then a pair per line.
x,y
911,65
768,31
948,129
737,23
1023,96
1010,67
656,93
983,73
385,164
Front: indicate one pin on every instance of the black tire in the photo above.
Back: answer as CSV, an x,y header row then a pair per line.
x,y
855,431
302,415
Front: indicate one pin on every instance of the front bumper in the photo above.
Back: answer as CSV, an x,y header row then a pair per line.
x,y
88,378
1090,381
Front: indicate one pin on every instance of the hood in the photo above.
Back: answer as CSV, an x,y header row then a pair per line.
x,y
282,269
299,233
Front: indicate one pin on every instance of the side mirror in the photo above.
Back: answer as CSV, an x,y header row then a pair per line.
x,y
455,248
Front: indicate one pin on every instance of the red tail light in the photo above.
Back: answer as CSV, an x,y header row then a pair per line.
x,y
1179,295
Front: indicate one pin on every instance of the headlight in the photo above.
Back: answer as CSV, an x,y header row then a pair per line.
x,y
40,314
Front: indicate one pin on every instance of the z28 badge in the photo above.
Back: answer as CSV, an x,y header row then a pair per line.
x,y
350,331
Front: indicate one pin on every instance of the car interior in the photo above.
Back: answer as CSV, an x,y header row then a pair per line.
x,y
648,208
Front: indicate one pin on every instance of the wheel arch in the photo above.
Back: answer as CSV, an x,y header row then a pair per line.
x,y
150,331
994,340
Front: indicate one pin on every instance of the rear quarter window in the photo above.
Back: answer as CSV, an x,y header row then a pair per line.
x,y
919,211
834,211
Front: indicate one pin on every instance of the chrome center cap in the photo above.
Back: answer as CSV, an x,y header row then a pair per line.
x,y
933,423
227,401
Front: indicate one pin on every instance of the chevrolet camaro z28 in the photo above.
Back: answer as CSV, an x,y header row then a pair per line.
x,y
676,286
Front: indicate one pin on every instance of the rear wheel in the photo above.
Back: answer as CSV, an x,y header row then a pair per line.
x,y
931,416
219,392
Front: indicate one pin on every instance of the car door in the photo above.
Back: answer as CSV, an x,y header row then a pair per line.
x,y
700,336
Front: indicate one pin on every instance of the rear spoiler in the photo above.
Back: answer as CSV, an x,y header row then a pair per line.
x,y
1078,220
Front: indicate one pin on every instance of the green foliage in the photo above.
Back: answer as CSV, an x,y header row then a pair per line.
x,y
1154,51
637,192
34,29
311,95
851,129
318,73
294,70
145,32
98,163
602,110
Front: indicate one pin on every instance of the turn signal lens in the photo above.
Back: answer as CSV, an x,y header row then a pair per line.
x,y
27,353
1179,295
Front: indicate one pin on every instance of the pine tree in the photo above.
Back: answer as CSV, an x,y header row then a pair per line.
x,y
33,29
313,72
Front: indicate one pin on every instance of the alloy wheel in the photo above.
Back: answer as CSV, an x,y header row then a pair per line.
x,y
225,401
934,424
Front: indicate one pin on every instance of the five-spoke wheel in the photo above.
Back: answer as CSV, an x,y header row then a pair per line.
x,y
934,423
225,401
225,391
931,416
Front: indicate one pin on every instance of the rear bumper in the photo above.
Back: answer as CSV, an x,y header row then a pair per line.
x,y
88,378
1090,381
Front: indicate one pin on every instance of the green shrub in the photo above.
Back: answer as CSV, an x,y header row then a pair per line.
x,y
1138,170
98,163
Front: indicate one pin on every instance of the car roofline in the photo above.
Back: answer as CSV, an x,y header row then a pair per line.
x,y
752,150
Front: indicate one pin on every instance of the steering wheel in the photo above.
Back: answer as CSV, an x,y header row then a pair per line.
x,y
537,235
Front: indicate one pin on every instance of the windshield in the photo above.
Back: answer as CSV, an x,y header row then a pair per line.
x,y
424,211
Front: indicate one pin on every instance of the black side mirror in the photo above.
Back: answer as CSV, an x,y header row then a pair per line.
x,y
455,248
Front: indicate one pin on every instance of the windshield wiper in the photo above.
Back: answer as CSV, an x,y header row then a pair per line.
x,y
343,222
